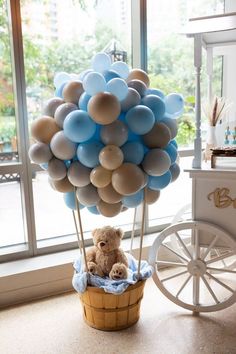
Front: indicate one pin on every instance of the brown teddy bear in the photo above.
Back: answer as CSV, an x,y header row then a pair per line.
x,y
105,258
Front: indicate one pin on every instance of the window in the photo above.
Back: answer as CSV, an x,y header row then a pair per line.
x,y
171,69
41,38
13,232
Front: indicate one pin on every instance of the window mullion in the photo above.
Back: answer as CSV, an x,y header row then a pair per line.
x,y
139,57
139,33
22,122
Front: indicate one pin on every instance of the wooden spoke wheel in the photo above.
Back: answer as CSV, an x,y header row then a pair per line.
x,y
184,273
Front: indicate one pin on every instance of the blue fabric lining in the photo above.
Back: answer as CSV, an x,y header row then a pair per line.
x,y
81,279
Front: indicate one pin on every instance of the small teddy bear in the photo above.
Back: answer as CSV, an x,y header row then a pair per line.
x,y
105,258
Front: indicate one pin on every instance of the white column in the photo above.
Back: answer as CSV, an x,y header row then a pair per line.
x,y
197,160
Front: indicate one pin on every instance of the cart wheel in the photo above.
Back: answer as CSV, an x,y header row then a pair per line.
x,y
184,275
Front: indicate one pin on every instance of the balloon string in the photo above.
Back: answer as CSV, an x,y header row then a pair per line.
x,y
77,231
133,231
81,233
142,233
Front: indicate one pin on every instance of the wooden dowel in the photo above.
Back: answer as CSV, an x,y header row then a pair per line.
x,y
81,233
77,231
133,231
142,234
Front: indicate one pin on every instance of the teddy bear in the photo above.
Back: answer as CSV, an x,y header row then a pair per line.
x,y
105,258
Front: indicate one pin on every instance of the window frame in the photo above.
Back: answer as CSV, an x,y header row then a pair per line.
x,y
24,167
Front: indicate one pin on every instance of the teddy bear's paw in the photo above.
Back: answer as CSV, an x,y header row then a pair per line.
x,y
95,269
92,268
118,271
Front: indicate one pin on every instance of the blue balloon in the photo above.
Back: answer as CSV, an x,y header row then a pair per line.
x,y
172,152
84,73
122,117
78,126
67,163
121,68
133,152
109,75
140,119
159,182
101,61
132,201
156,104
94,83
83,101
156,92
93,210
69,199
133,137
173,142
88,153
118,87
174,105
59,90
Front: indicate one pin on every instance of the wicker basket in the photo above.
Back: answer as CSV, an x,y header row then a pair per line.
x,y
110,312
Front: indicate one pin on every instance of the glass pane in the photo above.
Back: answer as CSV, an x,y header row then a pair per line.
x,y
63,36
54,220
170,55
11,225
173,198
8,141
55,41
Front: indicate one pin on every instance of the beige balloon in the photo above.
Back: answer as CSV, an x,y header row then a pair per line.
x,y
62,111
88,195
62,147
43,129
109,195
51,106
145,178
56,169
72,91
100,177
109,210
156,162
151,196
124,208
63,185
158,137
115,133
111,157
172,125
40,153
138,74
138,85
104,108
127,179
78,174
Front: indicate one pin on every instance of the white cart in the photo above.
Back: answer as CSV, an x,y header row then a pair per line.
x,y
195,261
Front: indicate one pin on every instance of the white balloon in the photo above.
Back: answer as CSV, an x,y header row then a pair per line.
x,y
61,78
121,69
101,62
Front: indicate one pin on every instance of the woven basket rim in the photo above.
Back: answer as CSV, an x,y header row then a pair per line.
x,y
130,287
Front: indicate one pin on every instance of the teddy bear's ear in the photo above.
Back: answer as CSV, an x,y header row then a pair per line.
x,y
94,232
119,233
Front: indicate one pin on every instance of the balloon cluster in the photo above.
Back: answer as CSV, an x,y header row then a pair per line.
x,y
107,139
